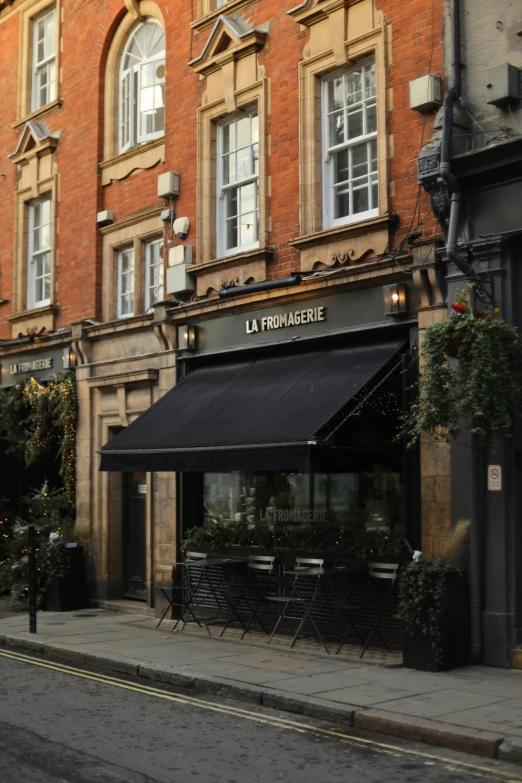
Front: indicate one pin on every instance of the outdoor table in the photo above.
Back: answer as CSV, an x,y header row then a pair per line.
x,y
191,597
321,578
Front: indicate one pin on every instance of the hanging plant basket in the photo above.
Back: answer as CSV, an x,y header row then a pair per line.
x,y
480,392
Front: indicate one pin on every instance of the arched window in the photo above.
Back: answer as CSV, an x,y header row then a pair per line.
x,y
142,86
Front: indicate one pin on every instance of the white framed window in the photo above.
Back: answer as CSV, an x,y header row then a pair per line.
x,y
350,174
40,247
238,184
142,86
125,307
154,273
44,59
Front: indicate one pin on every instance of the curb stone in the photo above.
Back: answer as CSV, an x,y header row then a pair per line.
x,y
481,743
474,741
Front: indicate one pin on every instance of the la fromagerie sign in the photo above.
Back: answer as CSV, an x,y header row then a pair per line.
x,y
267,323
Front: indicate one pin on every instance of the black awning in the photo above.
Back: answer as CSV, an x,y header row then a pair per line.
x,y
252,415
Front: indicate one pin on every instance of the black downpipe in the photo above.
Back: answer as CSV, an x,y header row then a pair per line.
x,y
453,185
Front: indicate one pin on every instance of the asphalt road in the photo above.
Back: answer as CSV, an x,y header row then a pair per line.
x,y
81,726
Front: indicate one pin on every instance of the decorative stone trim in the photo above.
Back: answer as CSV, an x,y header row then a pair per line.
x,y
208,13
240,269
146,156
341,33
39,113
230,39
131,220
139,376
38,321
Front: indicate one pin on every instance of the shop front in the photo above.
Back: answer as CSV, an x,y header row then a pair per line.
x,y
283,429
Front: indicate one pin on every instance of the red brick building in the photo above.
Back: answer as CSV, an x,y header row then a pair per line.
x,y
292,145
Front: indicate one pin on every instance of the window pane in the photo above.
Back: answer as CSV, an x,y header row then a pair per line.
x,y
231,233
371,119
370,86
375,193
232,202
354,87
159,120
337,128
373,154
243,132
336,94
227,173
228,137
355,124
341,166
248,228
342,204
255,128
243,163
255,158
147,74
359,160
248,197
360,198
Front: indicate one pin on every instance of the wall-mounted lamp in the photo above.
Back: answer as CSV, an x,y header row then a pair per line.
x,y
394,299
187,337
68,358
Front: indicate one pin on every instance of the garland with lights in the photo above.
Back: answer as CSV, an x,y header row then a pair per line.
x,y
50,512
34,417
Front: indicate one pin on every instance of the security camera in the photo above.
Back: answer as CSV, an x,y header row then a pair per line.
x,y
181,227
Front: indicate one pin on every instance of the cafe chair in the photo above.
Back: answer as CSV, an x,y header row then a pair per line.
x,y
298,604
380,584
184,594
250,596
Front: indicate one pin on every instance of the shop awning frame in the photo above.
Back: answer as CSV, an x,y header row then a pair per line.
x,y
262,414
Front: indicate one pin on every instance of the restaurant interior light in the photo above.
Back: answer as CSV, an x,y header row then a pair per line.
x,y
395,299
187,336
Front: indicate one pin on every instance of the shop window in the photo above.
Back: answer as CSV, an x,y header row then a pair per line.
x,y
142,86
350,173
238,175
44,59
40,248
154,273
356,489
126,283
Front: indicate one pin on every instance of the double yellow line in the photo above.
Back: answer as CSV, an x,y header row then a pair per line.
x,y
275,721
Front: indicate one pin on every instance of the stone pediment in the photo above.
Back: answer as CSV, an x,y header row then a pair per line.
x,y
35,138
311,11
231,38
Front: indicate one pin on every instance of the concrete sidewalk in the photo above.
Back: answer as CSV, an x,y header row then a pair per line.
x,y
476,709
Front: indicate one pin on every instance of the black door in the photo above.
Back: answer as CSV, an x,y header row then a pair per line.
x,y
134,536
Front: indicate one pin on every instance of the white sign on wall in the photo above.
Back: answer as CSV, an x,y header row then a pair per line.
x,y
494,477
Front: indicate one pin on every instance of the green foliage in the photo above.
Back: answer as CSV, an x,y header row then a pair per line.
x,y
480,391
51,514
423,596
34,417
349,541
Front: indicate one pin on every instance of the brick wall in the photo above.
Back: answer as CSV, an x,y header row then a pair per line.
x,y
416,35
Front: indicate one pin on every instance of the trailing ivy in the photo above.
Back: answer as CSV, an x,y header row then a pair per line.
x,y
480,392
423,597
34,417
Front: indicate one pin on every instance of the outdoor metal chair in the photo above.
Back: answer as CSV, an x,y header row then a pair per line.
x,y
358,614
250,595
297,602
182,594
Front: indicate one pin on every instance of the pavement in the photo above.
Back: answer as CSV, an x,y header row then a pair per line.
x,y
473,709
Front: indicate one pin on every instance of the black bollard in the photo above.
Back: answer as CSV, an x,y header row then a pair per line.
x,y
31,552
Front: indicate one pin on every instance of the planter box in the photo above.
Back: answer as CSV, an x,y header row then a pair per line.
x,y
69,592
418,652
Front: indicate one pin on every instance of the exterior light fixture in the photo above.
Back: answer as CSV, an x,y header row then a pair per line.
x,y
68,358
187,337
395,299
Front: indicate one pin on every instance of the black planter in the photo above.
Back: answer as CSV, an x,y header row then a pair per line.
x,y
418,651
69,592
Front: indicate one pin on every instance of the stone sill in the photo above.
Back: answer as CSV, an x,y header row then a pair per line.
x,y
143,376
133,323
35,313
38,114
258,254
342,232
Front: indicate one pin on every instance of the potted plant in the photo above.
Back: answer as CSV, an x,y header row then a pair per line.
x,y
480,391
434,607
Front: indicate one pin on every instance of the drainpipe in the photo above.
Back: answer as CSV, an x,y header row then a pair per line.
x,y
453,185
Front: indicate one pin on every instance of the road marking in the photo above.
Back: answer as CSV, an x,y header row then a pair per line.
x,y
273,721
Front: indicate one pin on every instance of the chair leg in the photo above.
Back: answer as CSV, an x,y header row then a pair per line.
x,y
375,627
